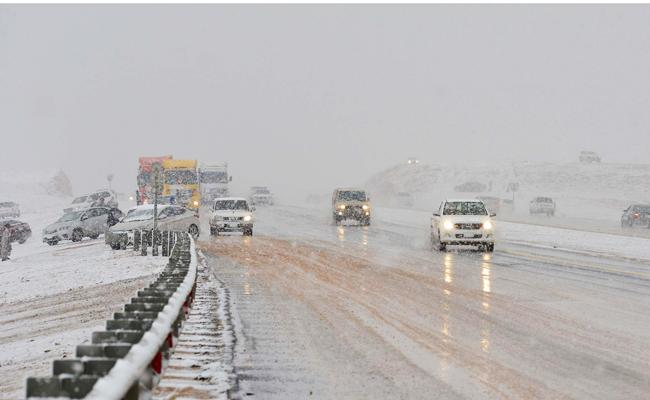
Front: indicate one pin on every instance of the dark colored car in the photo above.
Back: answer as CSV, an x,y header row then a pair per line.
x,y
636,215
20,231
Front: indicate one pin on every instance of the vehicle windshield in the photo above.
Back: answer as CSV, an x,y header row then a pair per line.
x,y
214,177
180,177
230,205
140,214
642,209
73,216
544,200
79,200
352,195
464,208
262,191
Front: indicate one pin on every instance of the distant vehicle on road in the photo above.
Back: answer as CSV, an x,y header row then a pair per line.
x,y
214,180
588,157
260,195
9,209
20,231
181,182
170,218
146,177
412,161
542,205
462,222
76,225
99,198
636,215
231,214
470,187
351,203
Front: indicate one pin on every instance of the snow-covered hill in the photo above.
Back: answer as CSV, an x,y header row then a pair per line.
x,y
594,191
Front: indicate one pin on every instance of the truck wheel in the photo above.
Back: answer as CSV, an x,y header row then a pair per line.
x,y
489,247
214,231
22,241
442,246
52,242
77,235
95,236
248,232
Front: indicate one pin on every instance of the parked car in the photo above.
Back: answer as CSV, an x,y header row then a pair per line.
x,y
20,231
76,225
9,209
99,198
231,214
170,218
588,157
542,205
636,215
462,222
351,203
260,195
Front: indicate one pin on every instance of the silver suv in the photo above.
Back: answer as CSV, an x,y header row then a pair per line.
x,y
79,224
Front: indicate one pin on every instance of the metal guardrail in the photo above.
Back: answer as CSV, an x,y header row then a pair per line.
x,y
127,359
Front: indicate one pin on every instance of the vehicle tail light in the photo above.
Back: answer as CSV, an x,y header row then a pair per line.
x,y
636,215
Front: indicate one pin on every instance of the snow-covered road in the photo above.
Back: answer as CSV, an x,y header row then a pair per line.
x,y
372,312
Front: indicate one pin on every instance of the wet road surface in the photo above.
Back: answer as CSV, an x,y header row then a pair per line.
x,y
372,312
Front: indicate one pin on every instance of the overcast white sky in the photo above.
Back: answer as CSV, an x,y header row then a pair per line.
x,y
314,96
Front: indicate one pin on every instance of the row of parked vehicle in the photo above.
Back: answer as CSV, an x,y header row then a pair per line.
x,y
9,213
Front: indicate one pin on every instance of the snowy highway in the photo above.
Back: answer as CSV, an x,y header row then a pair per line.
x,y
372,312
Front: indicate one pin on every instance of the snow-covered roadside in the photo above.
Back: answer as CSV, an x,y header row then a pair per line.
x,y
53,298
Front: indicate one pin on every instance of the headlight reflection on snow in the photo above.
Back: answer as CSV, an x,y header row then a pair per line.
x,y
486,267
448,267
341,234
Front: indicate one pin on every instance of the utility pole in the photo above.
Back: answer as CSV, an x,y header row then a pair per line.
x,y
156,182
109,177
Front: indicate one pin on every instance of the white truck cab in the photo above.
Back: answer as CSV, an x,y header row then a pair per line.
x,y
462,222
231,214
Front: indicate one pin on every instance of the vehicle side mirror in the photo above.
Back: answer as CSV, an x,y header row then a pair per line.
x,y
493,215
230,179
436,214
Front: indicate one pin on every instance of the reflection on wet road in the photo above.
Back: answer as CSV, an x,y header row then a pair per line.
x,y
376,313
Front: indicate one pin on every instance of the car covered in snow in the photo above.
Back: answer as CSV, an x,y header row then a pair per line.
x,y
232,214
140,218
99,198
20,231
76,225
542,205
9,209
462,222
351,204
260,195
636,215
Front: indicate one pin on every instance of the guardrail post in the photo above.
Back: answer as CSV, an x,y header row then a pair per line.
x,y
144,243
136,240
165,243
154,242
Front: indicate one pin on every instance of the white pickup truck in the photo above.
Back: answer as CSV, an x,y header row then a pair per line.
x,y
462,222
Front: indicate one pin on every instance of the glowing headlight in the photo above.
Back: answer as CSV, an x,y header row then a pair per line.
x,y
247,218
487,225
130,198
196,203
448,225
365,206
342,206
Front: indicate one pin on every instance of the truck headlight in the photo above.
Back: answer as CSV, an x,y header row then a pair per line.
x,y
196,203
342,206
247,218
448,225
365,207
487,225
